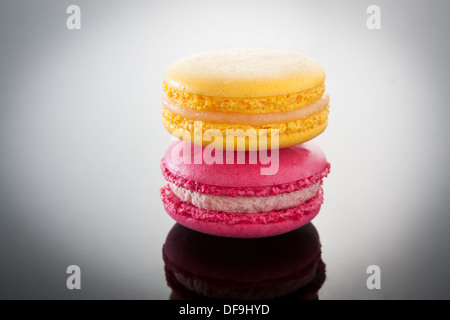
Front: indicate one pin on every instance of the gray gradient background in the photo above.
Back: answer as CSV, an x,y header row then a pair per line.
x,y
81,139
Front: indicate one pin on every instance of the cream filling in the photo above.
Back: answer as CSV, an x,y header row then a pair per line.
x,y
247,118
241,204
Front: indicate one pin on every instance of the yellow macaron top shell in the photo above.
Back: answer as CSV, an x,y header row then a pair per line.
x,y
244,73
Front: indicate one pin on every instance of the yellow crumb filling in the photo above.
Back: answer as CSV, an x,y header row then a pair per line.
x,y
174,122
269,104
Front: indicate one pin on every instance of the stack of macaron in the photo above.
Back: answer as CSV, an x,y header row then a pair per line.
x,y
244,166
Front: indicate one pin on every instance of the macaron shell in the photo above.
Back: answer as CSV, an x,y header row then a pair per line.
x,y
245,72
291,164
235,225
261,191
302,137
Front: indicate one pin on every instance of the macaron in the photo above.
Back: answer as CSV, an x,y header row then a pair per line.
x,y
243,194
245,98
199,266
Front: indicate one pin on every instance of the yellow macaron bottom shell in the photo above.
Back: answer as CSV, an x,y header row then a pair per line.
x,y
267,136
267,104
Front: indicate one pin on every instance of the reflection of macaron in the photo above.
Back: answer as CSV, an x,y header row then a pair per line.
x,y
235,200
248,89
201,266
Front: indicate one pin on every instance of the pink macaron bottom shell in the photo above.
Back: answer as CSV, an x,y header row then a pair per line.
x,y
240,225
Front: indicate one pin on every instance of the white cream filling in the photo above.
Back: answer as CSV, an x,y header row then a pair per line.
x,y
241,204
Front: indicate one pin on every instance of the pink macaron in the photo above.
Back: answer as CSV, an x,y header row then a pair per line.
x,y
200,266
249,194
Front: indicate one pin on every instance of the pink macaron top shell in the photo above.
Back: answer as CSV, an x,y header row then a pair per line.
x,y
298,167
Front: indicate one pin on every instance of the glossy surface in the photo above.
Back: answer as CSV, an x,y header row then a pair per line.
x,y
81,140
221,268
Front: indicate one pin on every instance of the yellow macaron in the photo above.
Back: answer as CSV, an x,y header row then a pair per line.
x,y
245,98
